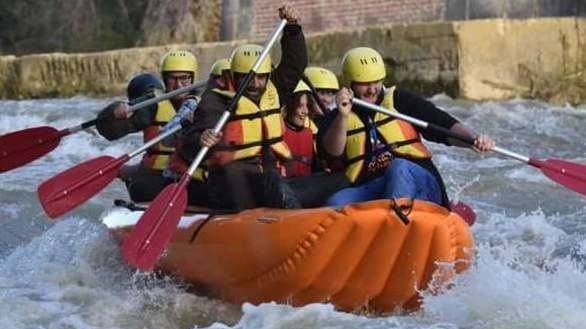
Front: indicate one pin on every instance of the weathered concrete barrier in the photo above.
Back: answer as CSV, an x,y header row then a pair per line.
x,y
479,59
535,58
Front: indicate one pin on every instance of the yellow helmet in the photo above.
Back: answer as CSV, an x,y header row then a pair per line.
x,y
220,66
322,78
179,60
244,57
363,64
301,87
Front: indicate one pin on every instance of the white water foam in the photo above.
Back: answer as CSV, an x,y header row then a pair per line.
x,y
73,277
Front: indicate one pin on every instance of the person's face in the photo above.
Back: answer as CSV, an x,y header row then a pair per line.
x,y
219,81
256,87
367,91
176,80
326,97
300,113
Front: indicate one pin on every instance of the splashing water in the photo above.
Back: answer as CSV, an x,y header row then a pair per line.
x,y
530,233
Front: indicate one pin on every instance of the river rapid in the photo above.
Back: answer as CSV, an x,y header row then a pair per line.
x,y
530,234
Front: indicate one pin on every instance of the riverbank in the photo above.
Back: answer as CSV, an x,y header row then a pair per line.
x,y
492,59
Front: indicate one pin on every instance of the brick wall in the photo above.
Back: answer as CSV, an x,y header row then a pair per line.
x,y
328,15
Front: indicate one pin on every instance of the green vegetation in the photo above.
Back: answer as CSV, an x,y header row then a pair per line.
x,y
42,26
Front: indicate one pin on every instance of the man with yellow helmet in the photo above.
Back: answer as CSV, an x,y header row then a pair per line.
x,y
145,180
250,149
385,157
178,69
219,77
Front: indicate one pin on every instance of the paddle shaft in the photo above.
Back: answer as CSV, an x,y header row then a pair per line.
x,y
91,123
154,141
426,125
137,106
321,105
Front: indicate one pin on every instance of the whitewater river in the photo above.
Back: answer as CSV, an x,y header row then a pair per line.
x,y
530,234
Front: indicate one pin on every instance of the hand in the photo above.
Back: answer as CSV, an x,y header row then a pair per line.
x,y
122,111
344,101
483,143
286,12
209,138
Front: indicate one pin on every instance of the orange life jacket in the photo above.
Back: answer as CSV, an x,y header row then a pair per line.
x,y
250,128
158,155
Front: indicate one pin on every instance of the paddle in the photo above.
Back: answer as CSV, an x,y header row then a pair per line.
x,y
464,211
314,93
155,228
21,147
566,173
69,189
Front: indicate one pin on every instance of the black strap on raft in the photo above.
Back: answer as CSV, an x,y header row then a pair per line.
x,y
129,205
198,229
136,207
211,215
402,211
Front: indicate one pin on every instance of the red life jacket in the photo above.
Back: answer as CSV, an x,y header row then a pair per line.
x,y
301,144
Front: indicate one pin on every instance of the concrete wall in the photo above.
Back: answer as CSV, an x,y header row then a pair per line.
x,y
536,58
479,60
478,9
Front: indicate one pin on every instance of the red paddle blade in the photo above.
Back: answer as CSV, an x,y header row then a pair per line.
x,y
69,189
21,147
155,228
569,174
465,211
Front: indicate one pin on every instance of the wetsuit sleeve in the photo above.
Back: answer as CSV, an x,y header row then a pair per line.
x,y
112,128
293,62
325,123
422,109
144,117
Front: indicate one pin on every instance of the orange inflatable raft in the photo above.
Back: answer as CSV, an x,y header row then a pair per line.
x,y
374,255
